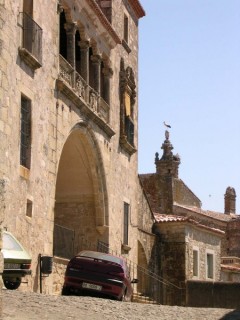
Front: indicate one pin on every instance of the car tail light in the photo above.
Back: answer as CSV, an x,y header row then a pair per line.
x,y
26,266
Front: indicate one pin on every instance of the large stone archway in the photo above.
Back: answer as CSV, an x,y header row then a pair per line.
x,y
80,214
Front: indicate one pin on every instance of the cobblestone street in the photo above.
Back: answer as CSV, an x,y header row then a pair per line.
x,y
34,306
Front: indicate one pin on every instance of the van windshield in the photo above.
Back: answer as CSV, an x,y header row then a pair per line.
x,y
9,243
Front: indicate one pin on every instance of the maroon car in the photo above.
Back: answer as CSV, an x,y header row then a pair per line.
x,y
98,274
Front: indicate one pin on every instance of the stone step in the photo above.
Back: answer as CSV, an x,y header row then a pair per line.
x,y
140,298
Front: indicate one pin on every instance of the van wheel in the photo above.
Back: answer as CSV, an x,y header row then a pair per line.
x,y
12,285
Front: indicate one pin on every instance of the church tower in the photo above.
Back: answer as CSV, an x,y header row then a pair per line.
x,y
168,165
166,172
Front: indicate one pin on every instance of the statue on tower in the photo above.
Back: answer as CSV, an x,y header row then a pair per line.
x,y
167,135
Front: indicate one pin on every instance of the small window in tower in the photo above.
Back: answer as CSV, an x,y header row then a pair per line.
x,y
125,30
29,208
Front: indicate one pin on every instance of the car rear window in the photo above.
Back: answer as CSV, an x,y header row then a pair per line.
x,y
101,256
9,243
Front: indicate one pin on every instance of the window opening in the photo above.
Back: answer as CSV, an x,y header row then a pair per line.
x,y
125,29
91,69
195,263
210,265
29,208
102,84
25,148
78,52
125,223
28,7
63,36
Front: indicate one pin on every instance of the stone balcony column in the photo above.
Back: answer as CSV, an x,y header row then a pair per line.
x,y
84,67
96,60
71,30
107,72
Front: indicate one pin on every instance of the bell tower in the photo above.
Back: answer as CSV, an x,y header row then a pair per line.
x,y
166,172
168,165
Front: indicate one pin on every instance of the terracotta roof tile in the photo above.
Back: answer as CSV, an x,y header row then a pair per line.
x,y
166,218
230,268
211,214
169,218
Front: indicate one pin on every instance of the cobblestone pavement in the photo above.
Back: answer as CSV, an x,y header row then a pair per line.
x,y
18,305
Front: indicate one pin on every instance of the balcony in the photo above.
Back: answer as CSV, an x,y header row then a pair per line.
x,y
31,41
71,84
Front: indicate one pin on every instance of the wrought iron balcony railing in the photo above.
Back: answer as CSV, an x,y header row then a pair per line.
x,y
31,36
76,88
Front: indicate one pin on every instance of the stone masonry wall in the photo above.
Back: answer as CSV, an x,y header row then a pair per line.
x,y
183,195
59,268
4,127
53,117
203,242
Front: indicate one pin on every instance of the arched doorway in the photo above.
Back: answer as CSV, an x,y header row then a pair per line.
x,y
80,214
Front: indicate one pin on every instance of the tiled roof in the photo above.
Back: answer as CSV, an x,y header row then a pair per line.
x,y
208,213
169,218
136,5
166,218
94,6
228,267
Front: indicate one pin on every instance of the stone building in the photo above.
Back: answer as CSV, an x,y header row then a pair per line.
x,y
69,128
68,153
193,244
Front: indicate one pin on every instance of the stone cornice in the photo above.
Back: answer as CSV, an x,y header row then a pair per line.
x,y
94,6
137,7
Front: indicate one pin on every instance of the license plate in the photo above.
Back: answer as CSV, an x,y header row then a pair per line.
x,y
11,266
91,286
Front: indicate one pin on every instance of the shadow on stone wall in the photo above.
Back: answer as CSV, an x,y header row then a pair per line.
x,y
212,294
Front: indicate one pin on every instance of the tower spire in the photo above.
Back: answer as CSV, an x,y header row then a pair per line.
x,y
169,163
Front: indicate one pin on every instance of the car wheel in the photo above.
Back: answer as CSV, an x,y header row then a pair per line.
x,y
12,285
65,291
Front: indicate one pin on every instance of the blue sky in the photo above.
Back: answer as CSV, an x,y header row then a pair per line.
x,y
189,76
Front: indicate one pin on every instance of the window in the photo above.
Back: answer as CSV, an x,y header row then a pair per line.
x,y
125,223
29,208
195,262
25,146
125,29
31,47
127,101
63,36
28,7
209,265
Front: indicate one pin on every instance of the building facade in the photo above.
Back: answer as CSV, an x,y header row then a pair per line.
x,y
69,127
193,244
68,154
